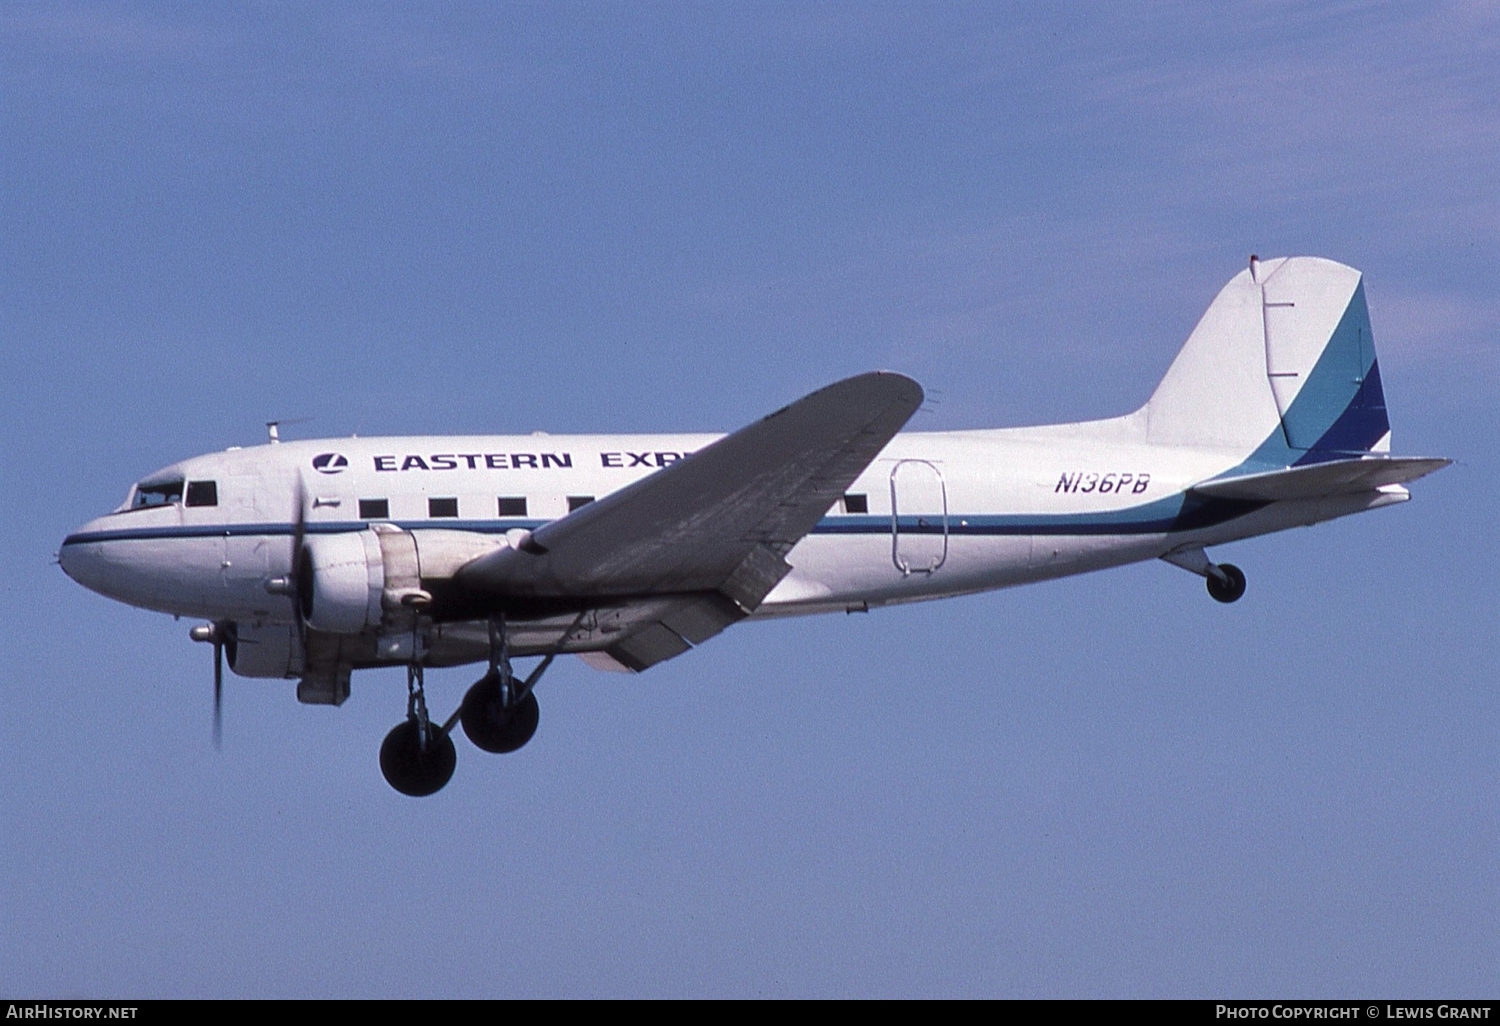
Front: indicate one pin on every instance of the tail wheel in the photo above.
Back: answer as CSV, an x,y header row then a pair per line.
x,y
1231,587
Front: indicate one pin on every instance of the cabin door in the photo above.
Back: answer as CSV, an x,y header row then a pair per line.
x,y
919,517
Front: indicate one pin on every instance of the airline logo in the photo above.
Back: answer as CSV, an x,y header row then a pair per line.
x,y
507,460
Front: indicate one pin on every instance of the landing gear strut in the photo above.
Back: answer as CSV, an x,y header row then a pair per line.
x,y
417,757
1226,582
499,713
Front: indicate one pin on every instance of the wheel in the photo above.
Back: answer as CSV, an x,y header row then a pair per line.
x,y
409,769
492,727
489,725
1228,590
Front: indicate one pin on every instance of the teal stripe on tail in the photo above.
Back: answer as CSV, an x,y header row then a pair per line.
x,y
1281,369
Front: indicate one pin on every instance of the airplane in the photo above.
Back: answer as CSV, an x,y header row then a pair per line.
x,y
311,559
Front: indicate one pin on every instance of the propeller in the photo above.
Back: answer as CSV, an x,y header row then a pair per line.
x,y
294,586
220,633
298,579
218,692
301,593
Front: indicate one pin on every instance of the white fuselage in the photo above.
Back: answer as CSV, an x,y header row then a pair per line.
x,y
936,514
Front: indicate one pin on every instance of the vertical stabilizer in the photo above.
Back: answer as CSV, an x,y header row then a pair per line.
x,y
1282,366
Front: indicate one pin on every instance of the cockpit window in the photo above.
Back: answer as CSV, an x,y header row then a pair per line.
x,y
203,493
157,493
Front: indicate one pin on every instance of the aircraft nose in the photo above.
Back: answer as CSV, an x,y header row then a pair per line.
x,y
83,558
73,557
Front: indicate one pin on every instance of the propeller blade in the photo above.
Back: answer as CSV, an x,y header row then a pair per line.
x,y
218,691
220,633
299,557
299,522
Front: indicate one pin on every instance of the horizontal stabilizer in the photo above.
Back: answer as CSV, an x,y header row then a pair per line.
x,y
1320,480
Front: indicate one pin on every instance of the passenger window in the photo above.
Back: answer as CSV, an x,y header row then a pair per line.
x,y
442,507
578,501
513,507
203,493
162,493
856,504
374,509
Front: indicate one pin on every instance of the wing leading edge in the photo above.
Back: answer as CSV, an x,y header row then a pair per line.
x,y
712,530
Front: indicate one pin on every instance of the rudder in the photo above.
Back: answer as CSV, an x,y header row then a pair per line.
x,y
1282,366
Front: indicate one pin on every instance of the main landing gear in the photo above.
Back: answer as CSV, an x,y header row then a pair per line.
x,y
417,757
1226,582
499,714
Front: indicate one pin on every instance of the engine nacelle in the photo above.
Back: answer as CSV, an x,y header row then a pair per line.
x,y
271,650
355,580
340,581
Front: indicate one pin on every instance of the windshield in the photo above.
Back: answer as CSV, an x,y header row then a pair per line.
x,y
156,493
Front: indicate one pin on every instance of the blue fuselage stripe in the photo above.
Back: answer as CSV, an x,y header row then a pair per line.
x,y
1181,513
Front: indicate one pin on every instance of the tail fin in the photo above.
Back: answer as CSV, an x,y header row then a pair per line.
x,y
1281,366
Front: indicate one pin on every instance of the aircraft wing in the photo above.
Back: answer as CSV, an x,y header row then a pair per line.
x,y
1318,480
712,529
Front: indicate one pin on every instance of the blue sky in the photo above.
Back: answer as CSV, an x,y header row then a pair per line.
x,y
678,217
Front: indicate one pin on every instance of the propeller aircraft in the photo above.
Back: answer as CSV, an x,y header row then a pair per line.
x,y
308,560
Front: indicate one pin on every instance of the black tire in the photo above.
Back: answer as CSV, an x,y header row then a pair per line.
x,y
409,769
490,725
1228,590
